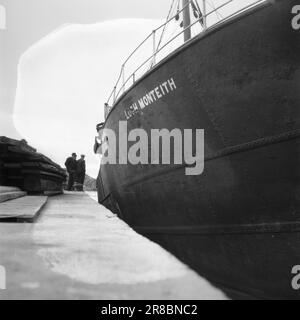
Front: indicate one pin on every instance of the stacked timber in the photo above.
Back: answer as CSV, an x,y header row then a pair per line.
x,y
23,167
10,193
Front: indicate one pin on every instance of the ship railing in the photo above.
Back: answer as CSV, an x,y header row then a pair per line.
x,y
124,83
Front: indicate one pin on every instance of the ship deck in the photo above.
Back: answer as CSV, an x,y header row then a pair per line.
x,y
77,249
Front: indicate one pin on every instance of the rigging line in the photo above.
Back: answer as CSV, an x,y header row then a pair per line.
x,y
165,26
197,28
218,14
174,31
200,13
164,29
170,37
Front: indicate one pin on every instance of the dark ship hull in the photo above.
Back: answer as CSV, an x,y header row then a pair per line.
x,y
238,223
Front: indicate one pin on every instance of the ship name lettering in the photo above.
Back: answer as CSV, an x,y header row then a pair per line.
x,y
151,97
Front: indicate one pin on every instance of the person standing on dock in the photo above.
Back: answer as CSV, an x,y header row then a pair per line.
x,y
71,165
80,172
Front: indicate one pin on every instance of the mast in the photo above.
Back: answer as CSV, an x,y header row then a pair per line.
x,y
186,20
204,15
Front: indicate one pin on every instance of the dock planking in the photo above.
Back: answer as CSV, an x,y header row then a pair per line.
x,y
10,193
80,250
25,209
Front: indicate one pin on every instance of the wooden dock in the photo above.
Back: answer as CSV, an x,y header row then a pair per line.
x,y
22,209
77,249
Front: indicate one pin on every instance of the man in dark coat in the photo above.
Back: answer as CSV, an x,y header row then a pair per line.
x,y
71,165
80,172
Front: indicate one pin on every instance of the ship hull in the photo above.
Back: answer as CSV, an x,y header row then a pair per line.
x,y
237,223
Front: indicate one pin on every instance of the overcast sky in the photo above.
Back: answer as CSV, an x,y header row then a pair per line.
x,y
65,56
29,21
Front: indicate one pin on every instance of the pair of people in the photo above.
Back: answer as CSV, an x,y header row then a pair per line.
x,y
76,170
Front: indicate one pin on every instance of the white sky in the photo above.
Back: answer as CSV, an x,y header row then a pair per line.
x,y
66,75
2,17
64,81
77,76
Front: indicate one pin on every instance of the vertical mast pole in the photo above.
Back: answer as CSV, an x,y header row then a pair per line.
x,y
186,20
204,15
154,47
123,77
